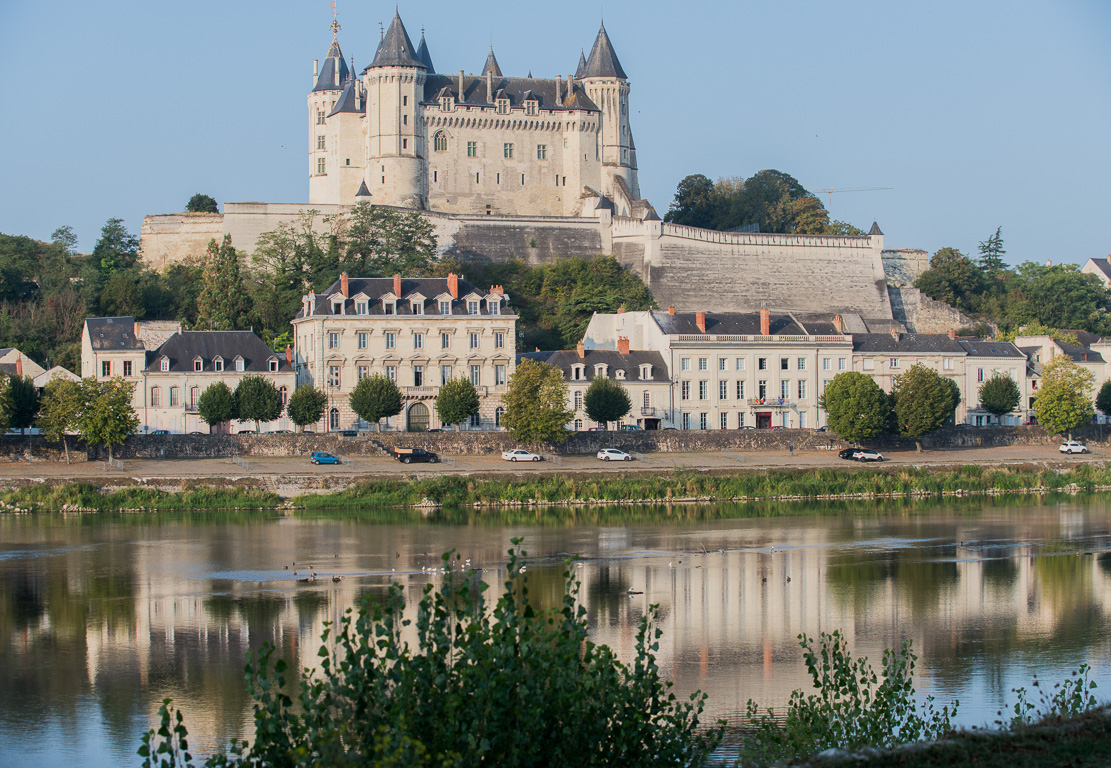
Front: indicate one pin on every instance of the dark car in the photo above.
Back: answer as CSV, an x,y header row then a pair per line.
x,y
160,432
848,453
409,455
349,432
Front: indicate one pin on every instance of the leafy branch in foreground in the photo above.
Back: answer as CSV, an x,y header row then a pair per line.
x,y
505,685
1071,697
851,710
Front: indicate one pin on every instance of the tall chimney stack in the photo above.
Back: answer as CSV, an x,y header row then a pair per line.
x,y
460,86
765,322
559,89
289,354
18,364
344,285
952,334
623,344
581,349
700,321
489,86
397,286
453,284
671,310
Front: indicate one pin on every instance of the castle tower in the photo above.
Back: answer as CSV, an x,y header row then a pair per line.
x,y
328,84
395,134
607,86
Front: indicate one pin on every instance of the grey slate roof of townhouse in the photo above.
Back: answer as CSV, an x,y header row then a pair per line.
x,y
395,48
183,348
602,61
8,369
907,343
5,350
741,324
326,81
1084,338
1080,353
980,348
628,362
112,333
515,88
375,287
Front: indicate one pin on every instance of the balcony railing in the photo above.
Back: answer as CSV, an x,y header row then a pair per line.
x,y
648,410
769,402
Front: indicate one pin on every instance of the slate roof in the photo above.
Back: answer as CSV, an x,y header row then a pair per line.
x,y
346,100
363,191
630,363
1103,265
424,56
741,324
375,287
395,48
1086,339
1080,354
582,65
980,348
515,88
183,348
5,350
491,65
112,333
875,230
603,60
326,79
8,369
907,343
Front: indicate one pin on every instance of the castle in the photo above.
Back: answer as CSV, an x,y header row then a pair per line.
x,y
402,134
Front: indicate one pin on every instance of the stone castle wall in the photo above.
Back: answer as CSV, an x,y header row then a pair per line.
x,y
921,314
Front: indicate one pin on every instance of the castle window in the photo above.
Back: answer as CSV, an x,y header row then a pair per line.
x,y
530,107
320,142
404,101
320,117
404,119
541,151
321,168
404,143
472,149
445,104
503,106
441,142
508,151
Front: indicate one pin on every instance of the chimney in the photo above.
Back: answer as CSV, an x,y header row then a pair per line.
x,y
765,322
620,310
700,321
671,310
839,323
315,70
18,364
497,290
453,284
895,335
397,286
582,350
559,89
138,330
460,86
952,334
336,80
344,285
489,86
289,354
623,344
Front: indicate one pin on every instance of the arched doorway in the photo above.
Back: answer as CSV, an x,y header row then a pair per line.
x,y
418,418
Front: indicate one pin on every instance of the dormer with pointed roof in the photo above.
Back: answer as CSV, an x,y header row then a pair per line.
x,y
491,66
603,60
396,49
424,56
582,66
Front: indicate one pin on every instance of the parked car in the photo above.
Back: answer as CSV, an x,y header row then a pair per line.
x,y
1071,446
160,432
629,427
409,455
820,429
612,454
323,457
848,453
867,454
596,429
349,432
519,454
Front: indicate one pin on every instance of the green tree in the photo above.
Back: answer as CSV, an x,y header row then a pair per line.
x,y
536,403
456,402
375,397
952,278
1103,399
199,203
306,405
840,228
106,416
694,203
60,409
381,242
117,249
923,400
606,400
1064,400
121,296
257,400
19,402
480,682
999,395
856,408
807,216
287,262
222,303
217,404
1061,296
991,253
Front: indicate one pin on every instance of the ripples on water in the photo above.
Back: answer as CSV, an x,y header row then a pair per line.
x,y
103,616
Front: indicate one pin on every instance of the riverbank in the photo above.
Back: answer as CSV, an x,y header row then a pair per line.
x,y
557,491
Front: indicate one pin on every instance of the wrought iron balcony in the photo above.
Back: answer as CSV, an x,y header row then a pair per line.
x,y
769,402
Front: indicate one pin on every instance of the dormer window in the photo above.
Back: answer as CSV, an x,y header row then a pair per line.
x,y
337,307
445,307
165,367
198,364
601,370
494,307
239,364
360,308
272,365
503,106
472,307
418,307
218,364
446,104
578,372
530,107
389,308
620,373
645,372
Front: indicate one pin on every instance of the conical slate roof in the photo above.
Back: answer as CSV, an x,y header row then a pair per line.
x,y
603,61
875,230
363,193
491,65
424,56
396,49
582,65
326,80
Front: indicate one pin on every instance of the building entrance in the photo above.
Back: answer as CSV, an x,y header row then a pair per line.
x,y
763,421
418,418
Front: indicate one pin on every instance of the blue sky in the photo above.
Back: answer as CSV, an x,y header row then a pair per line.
x,y
977,114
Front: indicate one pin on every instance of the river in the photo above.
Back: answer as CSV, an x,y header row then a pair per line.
x,y
103,616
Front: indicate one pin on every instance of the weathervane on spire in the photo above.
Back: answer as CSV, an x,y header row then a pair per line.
x,y
335,23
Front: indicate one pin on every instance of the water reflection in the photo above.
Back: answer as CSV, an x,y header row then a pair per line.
x,y
102,617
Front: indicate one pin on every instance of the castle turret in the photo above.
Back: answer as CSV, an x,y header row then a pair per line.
x,y
328,86
424,56
491,67
607,87
396,139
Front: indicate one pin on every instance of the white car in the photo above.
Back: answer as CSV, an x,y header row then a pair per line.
x,y
1071,446
867,454
612,454
519,454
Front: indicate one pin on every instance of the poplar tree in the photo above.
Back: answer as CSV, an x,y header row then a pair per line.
x,y
222,303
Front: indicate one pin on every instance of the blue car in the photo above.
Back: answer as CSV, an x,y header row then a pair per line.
x,y
323,457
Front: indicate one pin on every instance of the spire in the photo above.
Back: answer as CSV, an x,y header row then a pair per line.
x,y
335,72
396,49
603,61
491,66
875,230
424,56
581,67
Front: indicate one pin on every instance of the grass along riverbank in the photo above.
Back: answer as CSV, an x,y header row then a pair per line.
x,y
685,486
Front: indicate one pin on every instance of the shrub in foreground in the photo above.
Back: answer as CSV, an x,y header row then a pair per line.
x,y
502,685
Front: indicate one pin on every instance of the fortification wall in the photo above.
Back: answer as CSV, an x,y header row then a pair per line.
x,y
171,238
903,265
921,314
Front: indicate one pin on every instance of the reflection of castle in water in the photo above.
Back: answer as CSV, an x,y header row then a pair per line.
x,y
184,611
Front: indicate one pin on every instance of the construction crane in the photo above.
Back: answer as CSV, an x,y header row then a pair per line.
x,y
830,190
